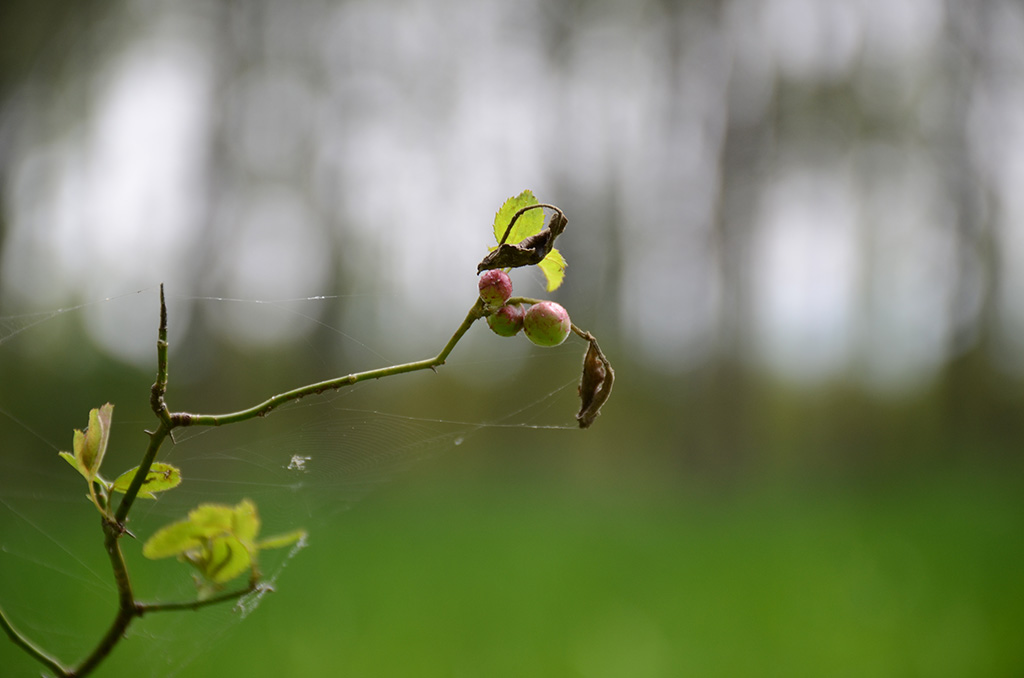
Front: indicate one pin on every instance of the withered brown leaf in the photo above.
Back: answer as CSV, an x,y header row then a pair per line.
x,y
529,251
595,384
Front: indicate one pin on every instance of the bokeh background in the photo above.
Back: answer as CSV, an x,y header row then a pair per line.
x,y
796,227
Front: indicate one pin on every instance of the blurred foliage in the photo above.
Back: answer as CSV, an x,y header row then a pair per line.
x,y
439,576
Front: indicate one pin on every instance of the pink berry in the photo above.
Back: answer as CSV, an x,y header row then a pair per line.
x,y
547,324
495,287
507,320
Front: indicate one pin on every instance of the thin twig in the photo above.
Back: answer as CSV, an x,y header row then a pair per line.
x,y
520,212
159,388
127,609
31,648
145,608
156,439
267,406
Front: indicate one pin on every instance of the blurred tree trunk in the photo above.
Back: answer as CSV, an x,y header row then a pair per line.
x,y
730,385
34,35
974,399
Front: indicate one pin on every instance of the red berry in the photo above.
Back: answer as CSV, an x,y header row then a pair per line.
x,y
547,324
495,287
507,320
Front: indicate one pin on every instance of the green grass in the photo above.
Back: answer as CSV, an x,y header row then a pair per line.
x,y
545,581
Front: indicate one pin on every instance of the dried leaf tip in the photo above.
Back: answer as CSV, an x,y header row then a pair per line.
x,y
531,250
595,384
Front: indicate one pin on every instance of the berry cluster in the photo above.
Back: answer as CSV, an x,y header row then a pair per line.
x,y
545,323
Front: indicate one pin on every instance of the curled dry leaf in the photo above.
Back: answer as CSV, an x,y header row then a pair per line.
x,y
530,251
595,384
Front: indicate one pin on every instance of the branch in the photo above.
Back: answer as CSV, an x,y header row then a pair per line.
x,y
159,388
127,608
267,406
31,648
205,602
156,439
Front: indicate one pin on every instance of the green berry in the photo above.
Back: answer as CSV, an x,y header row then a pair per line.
x,y
547,324
507,320
495,287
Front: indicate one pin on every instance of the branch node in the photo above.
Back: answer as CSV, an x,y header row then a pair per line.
x,y
181,419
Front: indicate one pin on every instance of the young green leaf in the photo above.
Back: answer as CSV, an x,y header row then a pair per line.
x,y
221,559
174,540
218,540
282,540
212,518
529,223
91,445
161,477
553,267
73,460
245,522
204,522
78,447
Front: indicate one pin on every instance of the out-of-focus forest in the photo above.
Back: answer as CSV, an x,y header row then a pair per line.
x,y
796,227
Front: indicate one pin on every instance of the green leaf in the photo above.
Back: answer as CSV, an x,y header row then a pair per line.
x,y
282,540
78,445
222,559
526,225
173,540
161,477
204,522
73,460
245,522
212,518
91,445
217,540
553,266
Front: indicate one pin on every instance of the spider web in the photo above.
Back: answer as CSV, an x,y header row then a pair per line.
x,y
304,466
